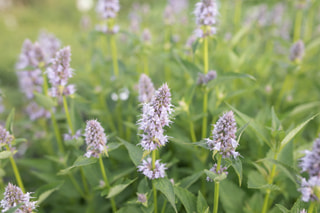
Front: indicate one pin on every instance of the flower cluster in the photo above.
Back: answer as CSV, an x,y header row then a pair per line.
x,y
205,79
35,111
68,136
14,196
152,173
107,9
95,139
59,73
31,56
223,136
146,89
1,103
206,13
214,170
154,118
5,137
297,51
172,10
310,163
49,45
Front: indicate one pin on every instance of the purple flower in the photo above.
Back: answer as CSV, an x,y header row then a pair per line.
x,y
14,196
297,51
146,36
148,171
223,136
35,111
205,79
30,82
107,9
142,198
206,13
311,161
49,45
95,139
1,103
310,189
155,116
68,136
214,169
146,89
5,137
59,73
31,56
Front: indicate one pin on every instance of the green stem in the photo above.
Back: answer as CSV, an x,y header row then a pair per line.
x,y
237,13
114,55
153,186
84,182
16,172
297,25
311,207
76,185
270,181
65,105
57,132
205,98
216,188
106,182
164,206
192,132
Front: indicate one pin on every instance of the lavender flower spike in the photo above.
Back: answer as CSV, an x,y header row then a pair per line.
x,y
310,189
59,73
146,89
5,137
108,9
223,136
206,13
310,163
149,172
297,51
95,139
14,196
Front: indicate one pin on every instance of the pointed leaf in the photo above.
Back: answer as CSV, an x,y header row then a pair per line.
x,y
45,191
202,205
237,166
5,154
135,152
187,199
165,186
81,161
188,181
282,208
117,189
44,101
9,121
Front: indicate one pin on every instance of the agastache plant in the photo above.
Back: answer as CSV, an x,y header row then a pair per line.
x,y
146,89
13,196
223,144
206,13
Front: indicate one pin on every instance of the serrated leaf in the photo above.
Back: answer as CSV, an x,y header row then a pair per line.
x,y
275,120
9,121
165,187
202,205
257,181
135,152
44,101
188,181
187,199
113,146
5,154
282,208
117,189
215,177
81,161
45,191
228,192
295,131
237,166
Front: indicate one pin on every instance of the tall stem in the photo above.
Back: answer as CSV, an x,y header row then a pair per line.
x,y
114,55
311,207
205,98
237,13
216,188
153,186
16,171
297,25
105,178
270,181
65,105
57,132
192,132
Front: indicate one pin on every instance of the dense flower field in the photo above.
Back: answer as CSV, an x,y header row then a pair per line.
x,y
162,106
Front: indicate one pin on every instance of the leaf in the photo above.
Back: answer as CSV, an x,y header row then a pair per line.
x,y
257,181
288,170
232,196
187,199
45,191
202,205
188,181
117,189
44,101
215,177
135,152
5,154
165,186
113,146
282,208
81,161
9,121
234,75
303,108
275,120
241,130
295,131
242,32
237,166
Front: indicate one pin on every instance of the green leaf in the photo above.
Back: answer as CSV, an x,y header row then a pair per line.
x,y
188,181
276,124
9,121
241,130
237,37
202,205
187,199
81,161
257,181
215,177
5,154
232,196
234,75
165,186
288,170
282,208
295,131
135,152
237,166
117,189
303,108
13,209
45,191
113,146
44,101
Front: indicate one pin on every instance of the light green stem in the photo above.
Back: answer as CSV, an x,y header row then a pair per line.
x,y
270,181
153,186
216,188
16,172
237,13
65,105
311,207
297,25
114,55
105,178
205,98
192,132
164,206
57,132
84,182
